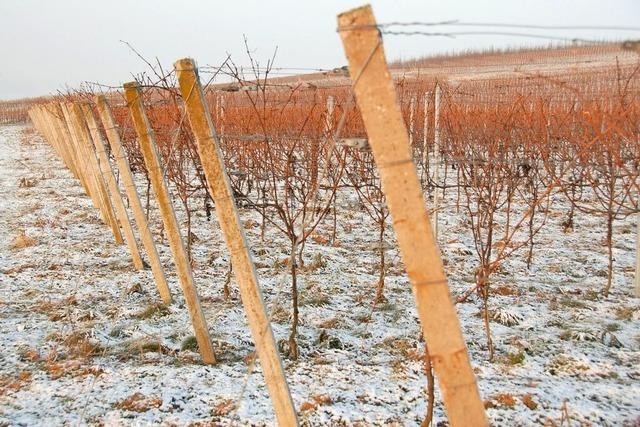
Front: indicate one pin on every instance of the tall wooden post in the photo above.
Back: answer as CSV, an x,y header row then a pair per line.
x,y
328,119
376,97
412,114
637,278
84,138
436,158
112,185
132,195
88,168
60,123
84,167
220,189
223,111
152,162
53,114
425,133
39,117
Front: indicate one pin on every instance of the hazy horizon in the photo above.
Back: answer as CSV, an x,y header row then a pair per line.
x,y
49,46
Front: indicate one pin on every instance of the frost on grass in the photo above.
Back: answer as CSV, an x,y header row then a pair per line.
x,y
85,339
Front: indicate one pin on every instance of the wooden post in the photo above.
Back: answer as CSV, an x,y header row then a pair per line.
x,y
328,119
220,189
60,122
223,110
82,160
425,132
46,128
112,185
84,139
637,281
134,200
376,97
53,114
62,132
436,158
412,113
39,118
152,162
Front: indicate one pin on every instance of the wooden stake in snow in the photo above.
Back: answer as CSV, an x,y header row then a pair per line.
x,y
82,166
412,116
152,162
134,200
87,156
84,138
436,158
425,132
637,287
62,130
220,189
53,115
328,118
376,97
112,185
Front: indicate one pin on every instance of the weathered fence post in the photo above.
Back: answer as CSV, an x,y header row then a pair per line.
x,y
243,267
86,157
152,162
84,138
637,278
425,133
436,158
112,185
90,185
412,113
376,97
39,116
60,124
53,114
219,114
132,195
328,118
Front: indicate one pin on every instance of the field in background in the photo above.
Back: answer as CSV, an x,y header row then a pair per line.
x,y
529,163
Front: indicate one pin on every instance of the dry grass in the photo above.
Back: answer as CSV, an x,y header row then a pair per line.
x,y
40,223
500,400
189,343
22,241
56,310
331,323
625,313
138,402
79,344
314,294
70,368
11,383
153,310
315,402
31,209
223,408
318,262
20,268
141,347
27,183
528,401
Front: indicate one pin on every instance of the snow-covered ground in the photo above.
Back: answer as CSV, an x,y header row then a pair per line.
x,y
84,342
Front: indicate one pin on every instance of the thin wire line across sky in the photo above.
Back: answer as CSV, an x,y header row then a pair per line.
x,y
456,23
454,34
388,29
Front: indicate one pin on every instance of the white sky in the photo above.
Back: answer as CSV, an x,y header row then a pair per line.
x,y
46,45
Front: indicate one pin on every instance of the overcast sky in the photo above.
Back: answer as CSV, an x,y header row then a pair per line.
x,y
46,45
